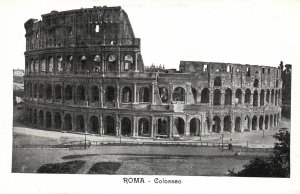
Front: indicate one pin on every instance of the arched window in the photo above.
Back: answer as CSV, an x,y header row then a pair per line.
x,y
163,92
43,65
238,96
97,65
95,94
94,125
144,94
216,127
41,90
255,84
68,122
266,122
69,63
254,123
41,118
59,64
217,97
35,91
237,126
48,120
218,81
262,98
48,91
110,127
126,126
110,94
50,64
228,97
227,123
128,63
126,95
112,63
80,123
57,92
247,96
80,92
179,94
195,126
268,96
68,92
144,127
83,62
255,98
179,124
57,121
205,95
272,96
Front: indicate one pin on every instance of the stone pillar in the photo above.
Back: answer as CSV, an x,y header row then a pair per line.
x,y
117,124
153,93
135,132
221,125
243,97
171,127
250,125
222,98
134,94
151,125
53,93
136,62
118,95
101,95
232,124
101,125
74,122
187,127
103,65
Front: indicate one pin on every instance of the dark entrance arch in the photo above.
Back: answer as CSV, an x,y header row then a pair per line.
x,y
57,121
94,125
261,121
80,123
228,97
126,127
255,98
216,128
217,97
110,94
110,126
266,122
238,96
179,94
68,92
127,95
227,123
179,123
41,118
163,92
254,123
144,128
195,126
94,94
68,122
80,92
237,126
48,120
205,95
48,91
57,92
162,126
262,97
247,96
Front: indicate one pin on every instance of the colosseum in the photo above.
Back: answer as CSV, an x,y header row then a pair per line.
x,y
84,72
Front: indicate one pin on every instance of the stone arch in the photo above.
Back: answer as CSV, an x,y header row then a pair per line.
x,y
237,124
179,94
144,127
80,123
41,90
247,126
261,121
94,125
216,128
179,124
162,126
126,126
57,121
68,122
217,97
164,94
255,98
97,65
35,91
262,97
80,92
272,96
48,91
110,126
112,63
238,96
228,97
128,63
256,83
110,94
68,92
217,81
35,116
48,120
69,63
247,96
227,123
94,94
144,94
205,95
254,123
41,118
57,92
195,126
268,96
127,94
266,121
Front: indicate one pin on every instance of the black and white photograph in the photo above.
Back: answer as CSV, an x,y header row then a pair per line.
x,y
153,93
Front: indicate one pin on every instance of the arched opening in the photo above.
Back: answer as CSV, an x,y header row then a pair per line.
x,y
262,98
43,65
35,91
110,94
255,98
34,116
254,123
41,90
247,96
94,125
261,122
50,64
57,120
205,95
95,94
208,124
59,64
275,120
272,96
144,94
216,127
144,127
126,95
179,94
179,124
69,64
57,92
80,123
41,118
255,84
110,124
48,120
271,121
162,126
217,97
97,65
266,122
80,92
194,91
238,96
128,63
276,98
30,89
194,126
218,81
83,63
237,126
228,97
68,122
268,96
126,126
227,123
163,92
30,116
68,92
112,63
48,91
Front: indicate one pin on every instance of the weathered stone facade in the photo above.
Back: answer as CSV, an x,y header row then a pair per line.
x,y
84,72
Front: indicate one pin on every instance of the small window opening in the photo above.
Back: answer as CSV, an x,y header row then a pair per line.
x,y
263,71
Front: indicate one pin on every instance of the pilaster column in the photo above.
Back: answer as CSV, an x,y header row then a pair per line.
x,y
118,95
222,98
136,62
103,65
187,128
62,93
134,94
135,133
171,126
151,125
153,93
101,95
243,98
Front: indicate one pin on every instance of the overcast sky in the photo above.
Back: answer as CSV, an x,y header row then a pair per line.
x,y
247,32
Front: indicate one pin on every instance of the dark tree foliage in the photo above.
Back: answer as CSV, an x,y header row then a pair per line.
x,y
276,165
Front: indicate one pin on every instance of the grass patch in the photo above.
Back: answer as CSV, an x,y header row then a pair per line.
x,y
77,156
62,168
104,168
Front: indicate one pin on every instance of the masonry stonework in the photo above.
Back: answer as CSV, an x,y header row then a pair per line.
x,y
84,72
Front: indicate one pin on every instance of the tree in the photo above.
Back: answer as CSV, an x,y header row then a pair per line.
x,y
276,165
